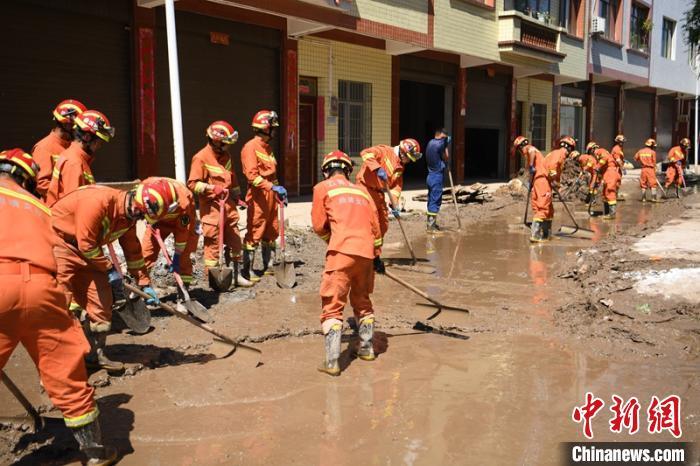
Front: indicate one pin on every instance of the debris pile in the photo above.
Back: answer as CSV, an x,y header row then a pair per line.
x,y
465,194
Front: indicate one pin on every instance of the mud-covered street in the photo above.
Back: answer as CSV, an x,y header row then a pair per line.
x,y
548,323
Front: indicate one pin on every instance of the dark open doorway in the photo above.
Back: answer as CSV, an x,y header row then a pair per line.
x,y
481,148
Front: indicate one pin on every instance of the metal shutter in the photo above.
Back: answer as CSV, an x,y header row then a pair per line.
x,y
664,128
62,49
217,82
638,120
604,117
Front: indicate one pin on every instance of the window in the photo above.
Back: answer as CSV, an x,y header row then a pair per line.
x,y
640,27
608,10
354,116
574,24
534,7
667,36
538,125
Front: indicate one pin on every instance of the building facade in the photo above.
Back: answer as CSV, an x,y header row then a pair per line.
x,y
353,73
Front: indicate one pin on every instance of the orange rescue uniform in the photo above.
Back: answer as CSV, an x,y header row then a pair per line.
x,y
33,307
610,173
181,224
647,158
45,153
344,216
676,163
619,157
260,169
85,220
541,196
210,168
589,165
373,158
72,170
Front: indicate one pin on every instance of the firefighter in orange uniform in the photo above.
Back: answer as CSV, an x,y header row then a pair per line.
x,y
46,151
554,164
540,190
647,159
609,173
92,217
383,166
343,215
619,157
181,224
213,179
588,165
33,307
260,169
72,169
676,162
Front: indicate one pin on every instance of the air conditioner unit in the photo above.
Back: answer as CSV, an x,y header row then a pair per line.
x,y
598,25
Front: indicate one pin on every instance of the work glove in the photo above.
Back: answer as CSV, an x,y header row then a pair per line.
x,y
198,228
153,300
220,191
117,283
381,174
379,265
395,213
589,197
532,169
175,264
281,192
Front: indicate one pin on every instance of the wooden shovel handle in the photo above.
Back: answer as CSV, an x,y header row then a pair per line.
x,y
417,291
398,219
22,399
178,279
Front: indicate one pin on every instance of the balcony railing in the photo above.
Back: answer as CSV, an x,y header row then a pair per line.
x,y
538,37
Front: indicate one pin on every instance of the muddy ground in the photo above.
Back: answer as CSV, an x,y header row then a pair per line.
x,y
548,323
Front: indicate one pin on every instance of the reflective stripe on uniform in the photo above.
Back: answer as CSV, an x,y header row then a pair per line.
x,y
396,193
83,420
89,178
115,235
325,237
378,242
264,157
55,157
92,253
258,180
367,156
211,262
348,190
56,173
137,264
228,165
186,278
32,200
200,187
213,168
389,166
180,246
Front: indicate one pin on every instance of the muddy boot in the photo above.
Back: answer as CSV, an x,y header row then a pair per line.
x,y
248,263
678,192
547,230
238,279
97,336
654,195
606,209
366,331
431,224
332,342
536,233
268,258
644,195
613,210
89,437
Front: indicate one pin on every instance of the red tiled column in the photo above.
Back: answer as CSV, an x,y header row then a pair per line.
x,y
289,145
144,96
459,117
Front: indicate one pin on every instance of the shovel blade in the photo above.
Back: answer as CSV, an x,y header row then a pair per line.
x,y
576,232
135,315
220,279
198,310
285,274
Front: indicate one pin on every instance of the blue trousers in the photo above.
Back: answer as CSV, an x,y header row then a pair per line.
x,y
435,183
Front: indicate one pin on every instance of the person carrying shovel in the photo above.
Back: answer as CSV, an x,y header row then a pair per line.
x,y
646,157
676,162
343,214
619,156
554,165
213,180
436,154
540,191
588,165
609,173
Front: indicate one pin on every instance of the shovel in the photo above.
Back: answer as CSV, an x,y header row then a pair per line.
x,y
576,230
285,274
192,306
527,203
38,423
134,312
433,302
220,278
454,199
206,327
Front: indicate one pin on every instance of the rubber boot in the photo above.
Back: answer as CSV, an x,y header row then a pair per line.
x,y
613,211
268,258
431,223
606,209
97,358
678,192
654,195
366,331
89,437
644,195
238,279
248,263
332,343
547,230
536,232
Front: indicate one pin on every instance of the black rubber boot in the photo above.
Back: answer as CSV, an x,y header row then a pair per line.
x,y
89,437
98,340
332,344
268,258
431,224
238,279
547,230
644,195
248,263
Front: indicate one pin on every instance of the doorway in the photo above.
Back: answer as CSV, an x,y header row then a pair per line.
x,y
481,148
308,134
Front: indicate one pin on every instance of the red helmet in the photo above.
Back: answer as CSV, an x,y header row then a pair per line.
x,y
650,142
18,162
221,131
685,143
66,111
94,122
620,139
155,199
591,146
567,141
520,141
265,119
410,148
337,159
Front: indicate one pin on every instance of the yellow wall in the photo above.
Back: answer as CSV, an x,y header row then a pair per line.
x,y
465,28
413,14
535,91
352,63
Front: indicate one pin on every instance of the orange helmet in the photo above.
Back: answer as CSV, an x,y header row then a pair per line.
x,y
411,149
337,159
685,143
567,141
221,131
265,119
650,142
591,146
155,199
95,123
66,111
21,166
620,139
574,154
520,141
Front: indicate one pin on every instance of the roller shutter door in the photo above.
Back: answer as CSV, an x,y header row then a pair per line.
x,y
638,120
664,128
61,49
217,82
604,117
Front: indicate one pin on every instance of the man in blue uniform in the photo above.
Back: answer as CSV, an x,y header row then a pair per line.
x,y
436,155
